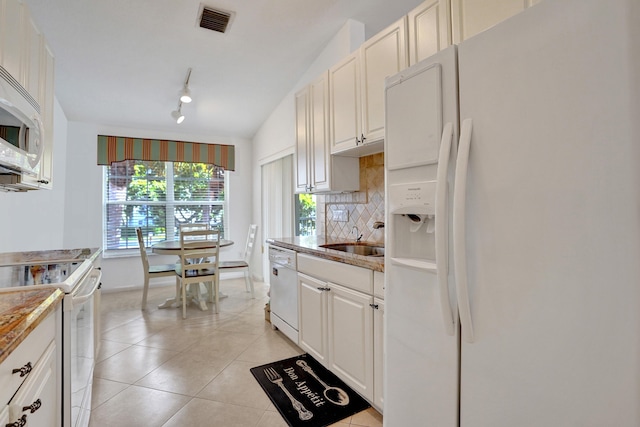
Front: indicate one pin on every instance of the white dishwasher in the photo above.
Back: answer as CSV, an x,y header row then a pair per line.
x,y
283,291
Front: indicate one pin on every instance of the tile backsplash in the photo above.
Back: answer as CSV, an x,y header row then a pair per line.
x,y
337,214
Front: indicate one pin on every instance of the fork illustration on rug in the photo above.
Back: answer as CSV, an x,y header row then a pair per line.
x,y
275,378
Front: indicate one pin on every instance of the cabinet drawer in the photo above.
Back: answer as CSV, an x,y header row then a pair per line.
x,y
28,352
357,278
36,398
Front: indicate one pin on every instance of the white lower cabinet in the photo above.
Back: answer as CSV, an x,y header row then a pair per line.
x,y
36,399
312,314
30,378
350,336
378,353
340,325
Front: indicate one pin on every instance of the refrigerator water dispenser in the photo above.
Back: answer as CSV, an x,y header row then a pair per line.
x,y
412,209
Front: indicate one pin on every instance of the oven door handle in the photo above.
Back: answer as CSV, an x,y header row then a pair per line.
x,y
76,300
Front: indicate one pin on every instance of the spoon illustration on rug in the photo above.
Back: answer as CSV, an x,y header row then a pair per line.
x,y
335,395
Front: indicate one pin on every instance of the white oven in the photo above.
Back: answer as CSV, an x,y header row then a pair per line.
x,y
77,273
79,312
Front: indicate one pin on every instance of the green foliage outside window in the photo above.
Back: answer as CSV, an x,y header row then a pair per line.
x,y
158,197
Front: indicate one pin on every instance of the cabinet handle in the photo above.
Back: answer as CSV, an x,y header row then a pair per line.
x,y
43,181
362,138
20,423
373,306
33,407
357,141
324,289
24,370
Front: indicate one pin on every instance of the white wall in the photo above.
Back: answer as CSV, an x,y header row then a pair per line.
x,y
35,220
276,136
84,207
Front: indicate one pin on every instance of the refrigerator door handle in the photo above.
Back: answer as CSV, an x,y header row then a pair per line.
x,y
459,237
442,235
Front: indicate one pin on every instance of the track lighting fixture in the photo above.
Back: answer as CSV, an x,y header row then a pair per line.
x,y
177,114
185,98
185,94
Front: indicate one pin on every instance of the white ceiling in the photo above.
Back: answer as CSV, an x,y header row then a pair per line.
x,y
123,62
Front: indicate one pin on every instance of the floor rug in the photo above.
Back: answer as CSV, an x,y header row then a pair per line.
x,y
306,394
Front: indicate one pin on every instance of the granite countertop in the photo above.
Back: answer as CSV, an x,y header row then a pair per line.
x,y
311,245
21,311
55,256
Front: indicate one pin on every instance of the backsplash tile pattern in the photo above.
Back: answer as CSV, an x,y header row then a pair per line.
x,y
364,207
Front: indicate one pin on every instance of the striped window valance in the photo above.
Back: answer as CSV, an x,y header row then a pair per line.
x,y
116,148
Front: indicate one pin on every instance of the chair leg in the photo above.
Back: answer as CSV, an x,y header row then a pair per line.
x,y
210,291
183,289
145,291
216,293
248,282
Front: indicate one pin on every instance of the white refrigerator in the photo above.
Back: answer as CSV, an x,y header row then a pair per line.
x,y
513,225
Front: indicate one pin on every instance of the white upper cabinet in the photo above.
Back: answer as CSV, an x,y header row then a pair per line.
x,y
470,17
429,29
25,55
303,180
45,180
34,55
344,104
317,170
13,38
356,89
383,55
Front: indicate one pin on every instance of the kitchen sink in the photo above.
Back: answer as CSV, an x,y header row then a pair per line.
x,y
356,248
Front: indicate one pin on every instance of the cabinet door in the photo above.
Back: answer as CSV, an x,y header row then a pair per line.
x,y
39,393
319,147
385,54
312,312
13,38
470,17
351,338
302,141
429,29
46,84
378,353
344,104
34,56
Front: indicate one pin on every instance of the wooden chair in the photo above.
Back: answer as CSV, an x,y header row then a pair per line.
x,y
194,226
243,264
151,271
199,259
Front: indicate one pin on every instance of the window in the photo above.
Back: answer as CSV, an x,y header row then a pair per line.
x,y
305,214
158,197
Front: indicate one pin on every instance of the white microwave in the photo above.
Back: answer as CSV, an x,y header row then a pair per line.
x,y
21,129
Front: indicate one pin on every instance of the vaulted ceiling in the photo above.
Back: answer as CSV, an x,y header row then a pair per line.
x,y
123,62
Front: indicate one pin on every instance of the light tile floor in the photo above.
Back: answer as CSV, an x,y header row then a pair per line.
x,y
157,369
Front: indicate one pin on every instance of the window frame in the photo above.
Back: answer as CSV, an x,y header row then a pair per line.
x,y
128,252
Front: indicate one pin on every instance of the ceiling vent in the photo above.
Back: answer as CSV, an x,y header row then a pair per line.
x,y
214,19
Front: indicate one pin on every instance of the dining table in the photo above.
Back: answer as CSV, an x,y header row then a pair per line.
x,y
172,247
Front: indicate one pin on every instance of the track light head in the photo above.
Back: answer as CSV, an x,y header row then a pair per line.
x,y
185,95
177,115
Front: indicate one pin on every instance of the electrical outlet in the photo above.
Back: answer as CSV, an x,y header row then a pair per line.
x,y
341,215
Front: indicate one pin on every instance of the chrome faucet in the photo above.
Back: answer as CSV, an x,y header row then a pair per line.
x,y
378,224
357,233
